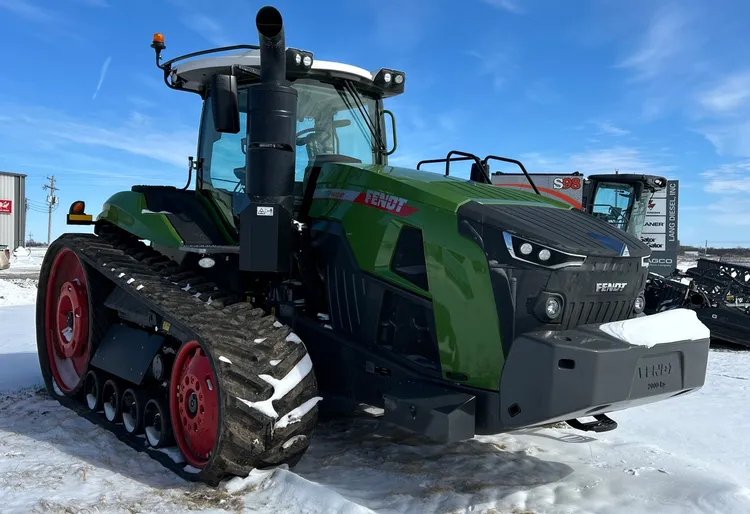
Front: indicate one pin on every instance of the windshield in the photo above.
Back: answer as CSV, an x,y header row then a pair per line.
x,y
611,204
329,121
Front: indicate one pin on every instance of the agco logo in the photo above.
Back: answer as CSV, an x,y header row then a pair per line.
x,y
610,287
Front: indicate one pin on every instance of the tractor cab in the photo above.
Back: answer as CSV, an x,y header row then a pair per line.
x,y
621,200
339,117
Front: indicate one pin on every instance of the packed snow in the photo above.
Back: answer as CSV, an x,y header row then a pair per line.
x,y
665,327
683,455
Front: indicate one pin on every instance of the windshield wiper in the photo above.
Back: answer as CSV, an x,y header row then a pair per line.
x,y
361,108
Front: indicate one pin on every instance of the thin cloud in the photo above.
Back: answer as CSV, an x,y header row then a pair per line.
x,y
27,10
137,135
608,129
505,5
729,139
103,73
663,40
207,27
730,94
728,179
606,160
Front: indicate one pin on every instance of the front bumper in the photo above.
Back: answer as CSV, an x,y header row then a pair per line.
x,y
599,368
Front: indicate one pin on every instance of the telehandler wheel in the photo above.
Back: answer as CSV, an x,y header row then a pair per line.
x,y
63,332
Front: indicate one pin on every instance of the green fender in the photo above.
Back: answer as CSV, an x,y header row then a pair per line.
x,y
127,210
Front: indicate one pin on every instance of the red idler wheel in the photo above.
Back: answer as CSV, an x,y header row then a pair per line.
x,y
66,321
194,404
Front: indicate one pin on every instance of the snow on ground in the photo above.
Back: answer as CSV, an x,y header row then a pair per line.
x,y
24,263
684,455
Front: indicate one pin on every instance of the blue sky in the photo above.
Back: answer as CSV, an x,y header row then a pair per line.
x,y
589,85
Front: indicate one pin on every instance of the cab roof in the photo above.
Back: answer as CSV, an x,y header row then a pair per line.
x,y
195,75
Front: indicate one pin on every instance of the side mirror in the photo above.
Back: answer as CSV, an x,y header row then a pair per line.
x,y
393,128
225,104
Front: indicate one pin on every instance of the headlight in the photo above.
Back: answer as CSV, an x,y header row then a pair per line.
x,y
534,253
553,307
639,304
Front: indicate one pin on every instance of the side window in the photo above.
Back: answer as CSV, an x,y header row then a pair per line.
x,y
408,258
223,154
301,159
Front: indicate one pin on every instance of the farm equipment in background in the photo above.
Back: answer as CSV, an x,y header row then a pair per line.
x,y
303,266
719,292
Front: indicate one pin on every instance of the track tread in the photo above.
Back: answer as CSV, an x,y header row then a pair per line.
x,y
226,328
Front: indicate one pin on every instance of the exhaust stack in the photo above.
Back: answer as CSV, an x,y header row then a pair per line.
x,y
266,225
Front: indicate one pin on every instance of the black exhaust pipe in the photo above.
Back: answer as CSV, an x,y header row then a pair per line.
x,y
266,226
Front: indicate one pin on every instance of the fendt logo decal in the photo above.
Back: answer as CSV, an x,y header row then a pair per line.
x,y
386,202
610,287
371,198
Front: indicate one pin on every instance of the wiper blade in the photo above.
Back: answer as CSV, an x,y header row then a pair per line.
x,y
363,112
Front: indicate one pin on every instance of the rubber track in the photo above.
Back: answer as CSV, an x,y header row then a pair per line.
x,y
246,438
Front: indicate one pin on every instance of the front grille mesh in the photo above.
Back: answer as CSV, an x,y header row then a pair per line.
x,y
583,313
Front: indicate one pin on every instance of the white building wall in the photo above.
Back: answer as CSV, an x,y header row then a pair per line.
x,y
13,224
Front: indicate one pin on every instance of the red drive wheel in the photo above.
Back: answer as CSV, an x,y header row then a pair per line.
x,y
194,404
66,321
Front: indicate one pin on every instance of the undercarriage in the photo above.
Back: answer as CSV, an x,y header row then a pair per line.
x,y
181,331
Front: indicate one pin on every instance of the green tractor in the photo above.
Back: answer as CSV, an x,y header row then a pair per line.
x,y
302,266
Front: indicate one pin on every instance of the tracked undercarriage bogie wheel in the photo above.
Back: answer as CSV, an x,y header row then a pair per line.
x,y
111,398
92,390
157,423
132,404
242,393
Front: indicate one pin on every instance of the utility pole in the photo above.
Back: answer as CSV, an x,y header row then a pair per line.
x,y
51,202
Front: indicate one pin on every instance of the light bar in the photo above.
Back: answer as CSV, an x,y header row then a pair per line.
x,y
389,79
298,60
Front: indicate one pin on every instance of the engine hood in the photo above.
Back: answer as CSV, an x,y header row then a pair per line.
x,y
567,230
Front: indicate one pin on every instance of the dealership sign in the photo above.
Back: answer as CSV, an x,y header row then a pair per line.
x,y
6,206
660,229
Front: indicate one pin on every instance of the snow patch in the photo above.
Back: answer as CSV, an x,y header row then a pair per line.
x,y
666,327
281,387
297,414
290,442
277,324
90,400
293,337
275,362
260,340
224,359
17,292
191,469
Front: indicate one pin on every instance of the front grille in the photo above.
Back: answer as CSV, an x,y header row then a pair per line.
x,y
583,313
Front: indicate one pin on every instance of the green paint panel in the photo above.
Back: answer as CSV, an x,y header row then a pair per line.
x,y
373,202
126,210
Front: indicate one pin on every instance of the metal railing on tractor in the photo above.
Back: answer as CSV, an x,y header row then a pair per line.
x,y
482,166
